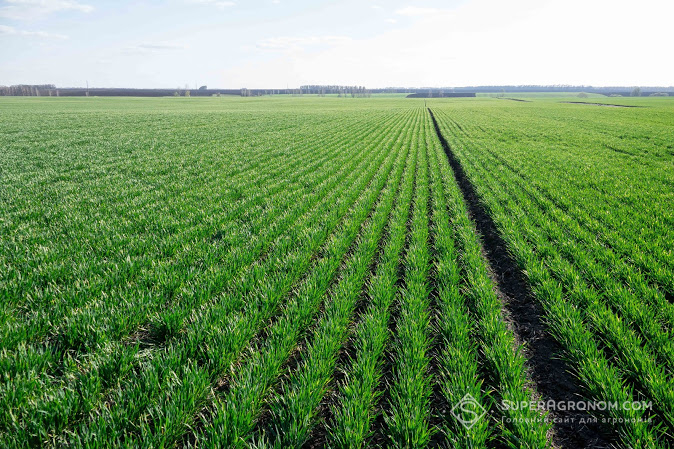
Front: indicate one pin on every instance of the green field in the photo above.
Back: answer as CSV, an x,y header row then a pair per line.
x,y
336,272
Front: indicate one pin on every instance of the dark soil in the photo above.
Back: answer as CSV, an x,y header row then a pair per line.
x,y
602,104
514,99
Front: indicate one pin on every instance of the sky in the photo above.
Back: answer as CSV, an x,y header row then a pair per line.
x,y
373,43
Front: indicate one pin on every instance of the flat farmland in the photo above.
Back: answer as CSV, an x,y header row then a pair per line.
x,y
312,272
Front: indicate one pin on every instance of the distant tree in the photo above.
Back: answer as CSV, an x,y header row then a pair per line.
x,y
636,92
582,95
187,93
203,88
176,94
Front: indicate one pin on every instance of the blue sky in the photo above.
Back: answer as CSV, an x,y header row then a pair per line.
x,y
376,43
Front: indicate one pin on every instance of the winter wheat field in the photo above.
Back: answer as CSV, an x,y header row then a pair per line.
x,y
336,272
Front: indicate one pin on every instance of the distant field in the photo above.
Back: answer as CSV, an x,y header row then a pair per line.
x,y
336,272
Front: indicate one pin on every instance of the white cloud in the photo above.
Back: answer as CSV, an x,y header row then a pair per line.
x,y
286,43
34,9
157,47
391,21
216,3
11,31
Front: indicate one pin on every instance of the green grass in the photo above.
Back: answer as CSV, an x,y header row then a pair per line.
x,y
303,271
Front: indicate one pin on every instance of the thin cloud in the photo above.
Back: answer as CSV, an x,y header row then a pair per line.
x,y
285,43
11,31
215,3
391,21
415,11
33,9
